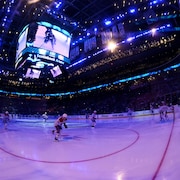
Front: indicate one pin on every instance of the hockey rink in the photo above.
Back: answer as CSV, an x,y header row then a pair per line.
x,y
127,150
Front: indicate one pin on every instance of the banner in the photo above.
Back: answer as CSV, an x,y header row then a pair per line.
x,y
90,44
74,52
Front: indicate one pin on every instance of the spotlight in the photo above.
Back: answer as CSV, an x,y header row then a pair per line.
x,y
112,46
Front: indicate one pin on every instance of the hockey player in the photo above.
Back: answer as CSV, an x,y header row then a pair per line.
x,y
58,126
6,119
49,36
163,112
45,116
129,113
93,118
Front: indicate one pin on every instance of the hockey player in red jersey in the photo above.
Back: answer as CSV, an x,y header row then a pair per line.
x,y
58,126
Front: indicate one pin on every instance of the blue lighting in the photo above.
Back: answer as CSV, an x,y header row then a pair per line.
x,y
155,2
121,15
99,86
130,39
95,29
58,4
172,67
132,11
107,22
74,23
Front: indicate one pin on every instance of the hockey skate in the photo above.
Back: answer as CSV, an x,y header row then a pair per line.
x,y
56,139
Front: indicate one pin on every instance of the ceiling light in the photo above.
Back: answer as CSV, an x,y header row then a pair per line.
x,y
33,1
107,22
112,46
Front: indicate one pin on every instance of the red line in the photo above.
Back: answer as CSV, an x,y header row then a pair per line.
x,y
164,154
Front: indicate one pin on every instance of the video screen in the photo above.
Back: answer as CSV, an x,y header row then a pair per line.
x,y
52,40
33,73
48,43
56,71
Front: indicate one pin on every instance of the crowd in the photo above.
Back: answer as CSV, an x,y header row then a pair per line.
x,y
137,94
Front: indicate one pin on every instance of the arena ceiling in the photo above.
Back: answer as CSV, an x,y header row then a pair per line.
x,y
79,17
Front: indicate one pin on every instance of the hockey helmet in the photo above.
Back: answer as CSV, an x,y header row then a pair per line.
x,y
64,115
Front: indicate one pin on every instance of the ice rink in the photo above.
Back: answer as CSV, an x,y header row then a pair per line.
x,y
127,150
